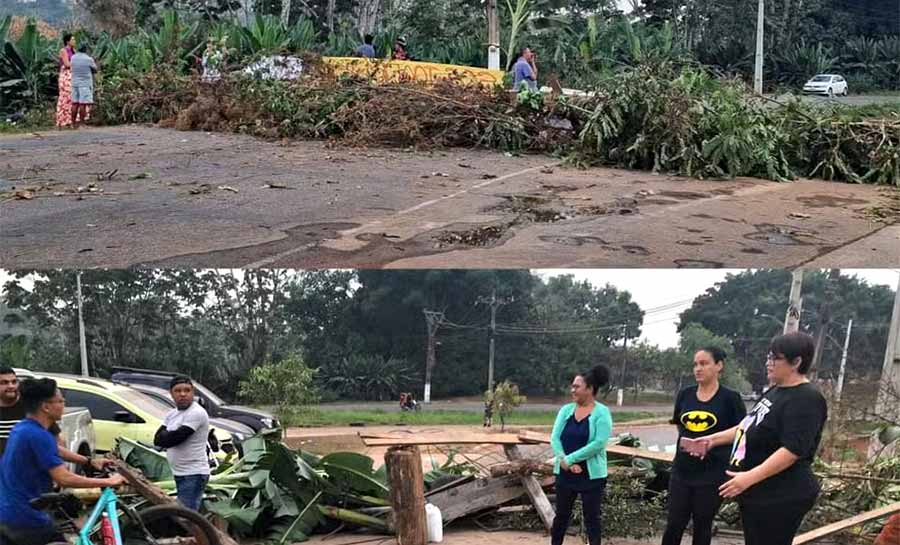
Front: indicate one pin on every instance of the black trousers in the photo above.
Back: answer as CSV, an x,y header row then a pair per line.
x,y
773,523
29,536
687,501
591,506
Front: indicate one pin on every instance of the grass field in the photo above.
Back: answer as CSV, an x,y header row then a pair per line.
x,y
320,418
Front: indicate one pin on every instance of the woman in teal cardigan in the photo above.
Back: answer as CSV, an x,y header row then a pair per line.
x,y
579,447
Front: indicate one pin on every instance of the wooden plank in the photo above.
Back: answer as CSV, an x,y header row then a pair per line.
x,y
835,527
156,496
534,490
536,437
458,482
466,438
477,495
668,457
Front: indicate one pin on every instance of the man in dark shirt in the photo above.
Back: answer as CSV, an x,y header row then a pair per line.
x,y
12,412
31,464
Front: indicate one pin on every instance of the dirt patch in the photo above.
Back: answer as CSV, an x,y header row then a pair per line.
x,y
829,201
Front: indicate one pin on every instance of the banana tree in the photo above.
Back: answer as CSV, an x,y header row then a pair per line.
x,y
26,67
282,495
519,15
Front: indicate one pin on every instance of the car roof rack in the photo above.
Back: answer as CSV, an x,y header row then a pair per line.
x,y
158,372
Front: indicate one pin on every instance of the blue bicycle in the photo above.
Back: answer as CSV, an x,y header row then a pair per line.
x,y
129,525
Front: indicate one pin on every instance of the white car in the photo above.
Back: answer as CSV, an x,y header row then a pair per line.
x,y
826,84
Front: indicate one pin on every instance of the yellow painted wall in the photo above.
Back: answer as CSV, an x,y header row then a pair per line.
x,y
386,71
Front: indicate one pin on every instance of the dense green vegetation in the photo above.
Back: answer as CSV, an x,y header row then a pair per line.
x,y
364,332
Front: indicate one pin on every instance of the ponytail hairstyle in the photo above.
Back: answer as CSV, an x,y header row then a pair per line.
x,y
718,355
597,378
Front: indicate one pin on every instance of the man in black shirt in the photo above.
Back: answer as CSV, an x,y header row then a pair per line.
x,y
12,412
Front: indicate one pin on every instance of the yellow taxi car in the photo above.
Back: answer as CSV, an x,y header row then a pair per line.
x,y
120,411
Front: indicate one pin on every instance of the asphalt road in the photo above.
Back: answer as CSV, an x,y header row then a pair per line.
x,y
850,100
138,196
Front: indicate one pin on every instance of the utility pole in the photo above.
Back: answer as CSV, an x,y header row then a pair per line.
x,y
624,354
792,317
433,319
824,321
840,381
760,30
889,388
494,303
493,35
81,340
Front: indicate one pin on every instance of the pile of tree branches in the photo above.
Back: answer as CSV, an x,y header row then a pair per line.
x,y
658,117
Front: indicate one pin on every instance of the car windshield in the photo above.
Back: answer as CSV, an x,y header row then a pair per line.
x,y
155,407
821,79
206,392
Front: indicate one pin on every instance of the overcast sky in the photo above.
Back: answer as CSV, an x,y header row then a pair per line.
x,y
653,288
674,289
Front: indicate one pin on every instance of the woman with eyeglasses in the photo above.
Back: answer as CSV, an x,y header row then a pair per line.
x,y
773,447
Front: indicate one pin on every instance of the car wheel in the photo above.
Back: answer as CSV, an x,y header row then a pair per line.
x,y
830,93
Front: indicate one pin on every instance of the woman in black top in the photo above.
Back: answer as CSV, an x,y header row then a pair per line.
x,y
774,446
701,410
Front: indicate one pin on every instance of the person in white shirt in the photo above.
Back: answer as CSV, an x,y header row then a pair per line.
x,y
184,435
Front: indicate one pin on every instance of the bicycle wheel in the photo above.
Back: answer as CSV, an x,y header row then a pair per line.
x,y
168,525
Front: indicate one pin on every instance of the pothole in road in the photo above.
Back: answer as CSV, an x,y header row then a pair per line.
x,y
698,264
828,201
781,235
479,236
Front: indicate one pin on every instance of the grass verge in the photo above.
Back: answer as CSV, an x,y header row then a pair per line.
x,y
321,418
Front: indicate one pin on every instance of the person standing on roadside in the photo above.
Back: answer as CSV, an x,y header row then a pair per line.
x,y
525,71
83,68
184,435
774,446
366,50
578,440
700,410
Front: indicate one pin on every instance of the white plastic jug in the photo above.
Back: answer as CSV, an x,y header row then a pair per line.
x,y
434,523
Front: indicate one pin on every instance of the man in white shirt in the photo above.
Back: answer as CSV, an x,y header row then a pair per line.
x,y
184,435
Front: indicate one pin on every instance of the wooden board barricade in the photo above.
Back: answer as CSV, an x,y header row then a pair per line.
x,y
845,524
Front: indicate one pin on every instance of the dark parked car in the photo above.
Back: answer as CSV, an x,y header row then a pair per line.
x,y
214,405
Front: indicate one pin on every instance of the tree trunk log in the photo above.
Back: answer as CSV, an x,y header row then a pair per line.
x,y
404,468
521,468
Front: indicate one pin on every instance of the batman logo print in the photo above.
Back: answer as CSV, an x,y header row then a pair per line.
x,y
698,421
